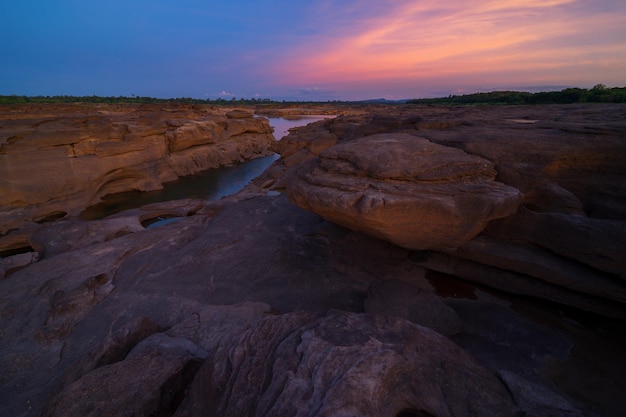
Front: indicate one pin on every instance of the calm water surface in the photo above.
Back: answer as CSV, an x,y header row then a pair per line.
x,y
208,185
281,125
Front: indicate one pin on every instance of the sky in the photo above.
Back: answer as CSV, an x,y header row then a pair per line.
x,y
308,50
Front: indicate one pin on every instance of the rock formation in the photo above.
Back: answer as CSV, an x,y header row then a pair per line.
x,y
66,162
160,319
344,364
405,190
535,209
252,306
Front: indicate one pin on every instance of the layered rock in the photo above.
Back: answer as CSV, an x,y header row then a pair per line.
x,y
404,189
120,319
302,365
108,316
67,162
564,243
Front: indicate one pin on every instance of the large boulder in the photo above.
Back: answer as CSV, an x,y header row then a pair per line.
x,y
404,189
151,375
344,364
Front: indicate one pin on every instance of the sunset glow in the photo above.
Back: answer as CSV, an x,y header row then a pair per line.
x,y
518,43
317,50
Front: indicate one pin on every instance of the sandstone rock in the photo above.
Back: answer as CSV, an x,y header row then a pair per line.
x,y
195,133
63,236
494,334
340,363
580,148
551,197
522,284
307,142
544,265
597,243
119,305
168,209
300,111
14,263
77,315
68,162
504,339
217,326
420,306
122,337
150,382
239,114
569,163
536,400
18,239
404,189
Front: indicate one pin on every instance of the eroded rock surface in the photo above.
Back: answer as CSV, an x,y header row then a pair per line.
x,y
344,364
549,195
392,297
111,317
66,162
404,189
81,326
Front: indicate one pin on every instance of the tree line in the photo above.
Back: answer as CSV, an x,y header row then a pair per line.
x,y
598,94
16,99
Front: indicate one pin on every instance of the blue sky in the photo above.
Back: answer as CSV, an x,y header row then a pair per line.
x,y
321,50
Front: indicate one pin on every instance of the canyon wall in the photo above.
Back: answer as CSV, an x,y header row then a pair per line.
x,y
68,157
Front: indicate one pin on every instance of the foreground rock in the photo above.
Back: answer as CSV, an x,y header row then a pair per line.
x,y
137,321
62,163
251,304
344,364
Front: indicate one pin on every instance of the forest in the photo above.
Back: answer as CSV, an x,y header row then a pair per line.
x,y
598,94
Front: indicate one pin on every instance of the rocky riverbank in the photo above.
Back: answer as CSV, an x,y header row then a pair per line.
x,y
449,262
57,160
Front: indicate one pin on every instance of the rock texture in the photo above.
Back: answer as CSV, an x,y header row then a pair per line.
x,y
392,297
547,195
166,311
404,189
68,161
344,364
252,306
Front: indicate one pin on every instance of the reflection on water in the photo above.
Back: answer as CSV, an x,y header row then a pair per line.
x,y
209,185
282,125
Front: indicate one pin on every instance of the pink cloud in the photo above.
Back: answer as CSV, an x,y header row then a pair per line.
x,y
553,41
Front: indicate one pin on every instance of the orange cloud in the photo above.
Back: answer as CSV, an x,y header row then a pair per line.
x,y
417,40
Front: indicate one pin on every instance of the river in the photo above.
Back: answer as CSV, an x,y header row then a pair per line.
x,y
209,185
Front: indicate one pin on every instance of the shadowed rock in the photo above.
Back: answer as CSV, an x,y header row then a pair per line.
x,y
344,364
418,305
